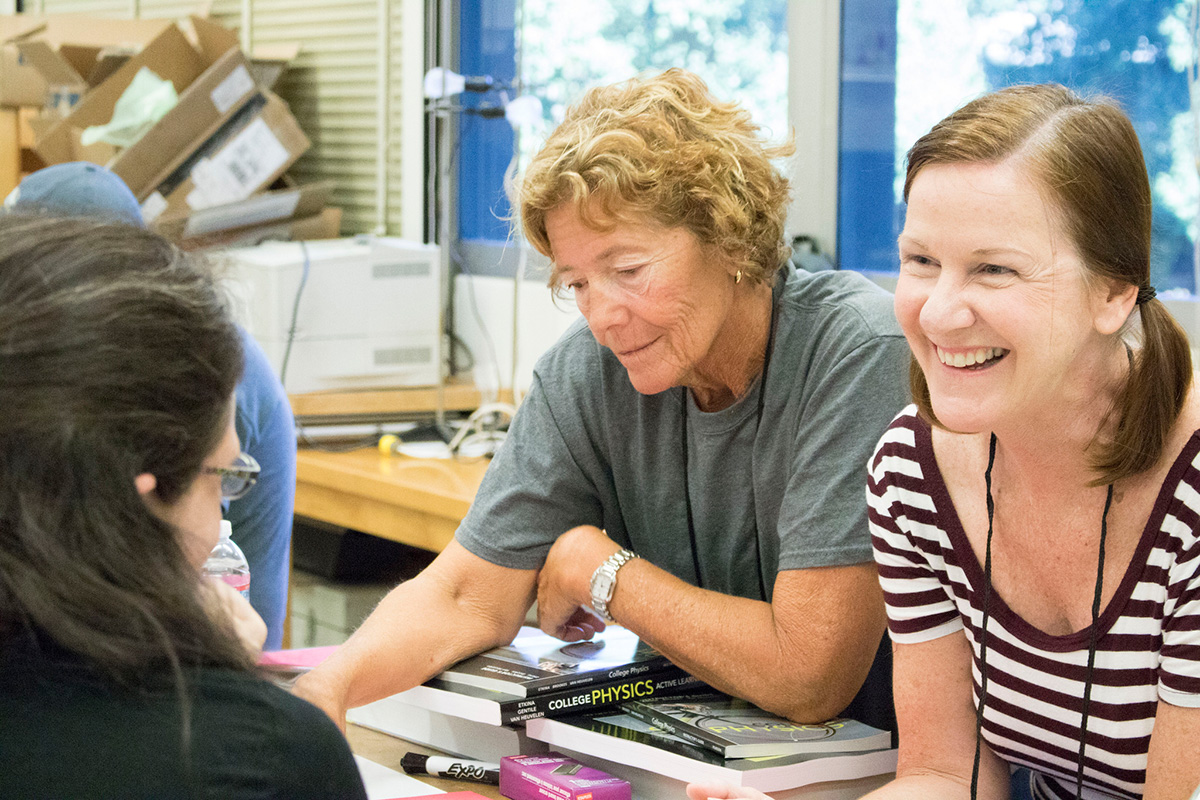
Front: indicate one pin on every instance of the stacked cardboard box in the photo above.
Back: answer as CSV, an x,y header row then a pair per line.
x,y
212,171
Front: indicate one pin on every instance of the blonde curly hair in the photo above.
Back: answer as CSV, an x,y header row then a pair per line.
x,y
663,148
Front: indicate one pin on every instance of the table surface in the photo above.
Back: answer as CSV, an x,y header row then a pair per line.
x,y
388,750
417,501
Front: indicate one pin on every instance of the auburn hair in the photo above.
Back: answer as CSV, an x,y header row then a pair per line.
x,y
1085,155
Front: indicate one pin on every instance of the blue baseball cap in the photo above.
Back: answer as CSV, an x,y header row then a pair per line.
x,y
76,189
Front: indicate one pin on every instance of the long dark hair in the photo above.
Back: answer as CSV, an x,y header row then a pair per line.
x,y
117,358
1085,154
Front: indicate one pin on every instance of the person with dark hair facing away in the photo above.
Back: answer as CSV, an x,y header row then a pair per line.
x,y
1036,513
123,672
262,521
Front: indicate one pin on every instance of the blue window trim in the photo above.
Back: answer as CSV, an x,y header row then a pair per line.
x,y
867,212
487,46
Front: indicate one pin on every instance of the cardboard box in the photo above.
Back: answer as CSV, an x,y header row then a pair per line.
x,y
20,83
71,50
10,150
169,56
268,62
214,97
212,38
272,207
326,224
205,104
247,153
78,50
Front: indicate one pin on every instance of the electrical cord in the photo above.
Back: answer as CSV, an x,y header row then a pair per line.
x,y
301,436
459,263
468,357
291,336
479,436
476,314
483,432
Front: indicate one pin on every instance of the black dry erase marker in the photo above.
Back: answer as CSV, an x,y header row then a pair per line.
x,y
459,769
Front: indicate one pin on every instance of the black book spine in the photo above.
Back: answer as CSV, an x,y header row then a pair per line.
x,y
586,699
638,669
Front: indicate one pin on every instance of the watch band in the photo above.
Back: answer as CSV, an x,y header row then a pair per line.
x,y
604,581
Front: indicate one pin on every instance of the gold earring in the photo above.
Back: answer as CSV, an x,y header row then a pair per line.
x,y
738,277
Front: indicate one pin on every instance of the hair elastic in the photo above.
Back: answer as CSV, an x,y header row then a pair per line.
x,y
1145,295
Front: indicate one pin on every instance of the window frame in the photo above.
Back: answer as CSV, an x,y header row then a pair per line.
x,y
814,37
814,105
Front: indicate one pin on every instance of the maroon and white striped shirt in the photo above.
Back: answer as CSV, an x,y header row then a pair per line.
x,y
1148,647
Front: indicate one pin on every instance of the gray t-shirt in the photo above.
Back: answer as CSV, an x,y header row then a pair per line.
x,y
587,449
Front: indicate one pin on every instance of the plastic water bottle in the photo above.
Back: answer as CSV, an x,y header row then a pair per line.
x,y
228,563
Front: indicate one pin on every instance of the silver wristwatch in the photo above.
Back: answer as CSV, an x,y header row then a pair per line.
x,y
604,581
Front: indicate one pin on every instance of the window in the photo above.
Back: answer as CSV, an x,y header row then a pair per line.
x,y
907,63
738,46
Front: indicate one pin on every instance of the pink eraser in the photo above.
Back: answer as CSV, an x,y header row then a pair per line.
x,y
553,776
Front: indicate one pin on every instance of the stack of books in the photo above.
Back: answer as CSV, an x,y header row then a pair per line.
x,y
615,704
478,708
661,746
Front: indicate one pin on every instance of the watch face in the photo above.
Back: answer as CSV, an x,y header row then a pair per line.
x,y
603,585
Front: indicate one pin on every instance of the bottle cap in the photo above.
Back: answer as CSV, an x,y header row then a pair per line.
x,y
226,529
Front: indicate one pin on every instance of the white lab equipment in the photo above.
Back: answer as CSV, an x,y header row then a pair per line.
x,y
341,314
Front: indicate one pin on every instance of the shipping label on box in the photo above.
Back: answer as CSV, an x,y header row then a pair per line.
x,y
246,154
232,89
214,97
246,163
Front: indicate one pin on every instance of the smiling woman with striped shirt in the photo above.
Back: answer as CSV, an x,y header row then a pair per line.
x,y
1036,514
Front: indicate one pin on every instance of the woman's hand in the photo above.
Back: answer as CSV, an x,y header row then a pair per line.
x,y
722,791
225,602
564,583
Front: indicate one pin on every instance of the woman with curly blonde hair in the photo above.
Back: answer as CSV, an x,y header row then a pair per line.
x,y
696,417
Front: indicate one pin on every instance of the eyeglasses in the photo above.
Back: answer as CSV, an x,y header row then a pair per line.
x,y
238,477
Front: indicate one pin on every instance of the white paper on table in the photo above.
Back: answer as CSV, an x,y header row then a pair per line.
x,y
383,782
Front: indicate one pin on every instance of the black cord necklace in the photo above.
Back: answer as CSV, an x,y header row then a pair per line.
x,y
987,596
687,489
